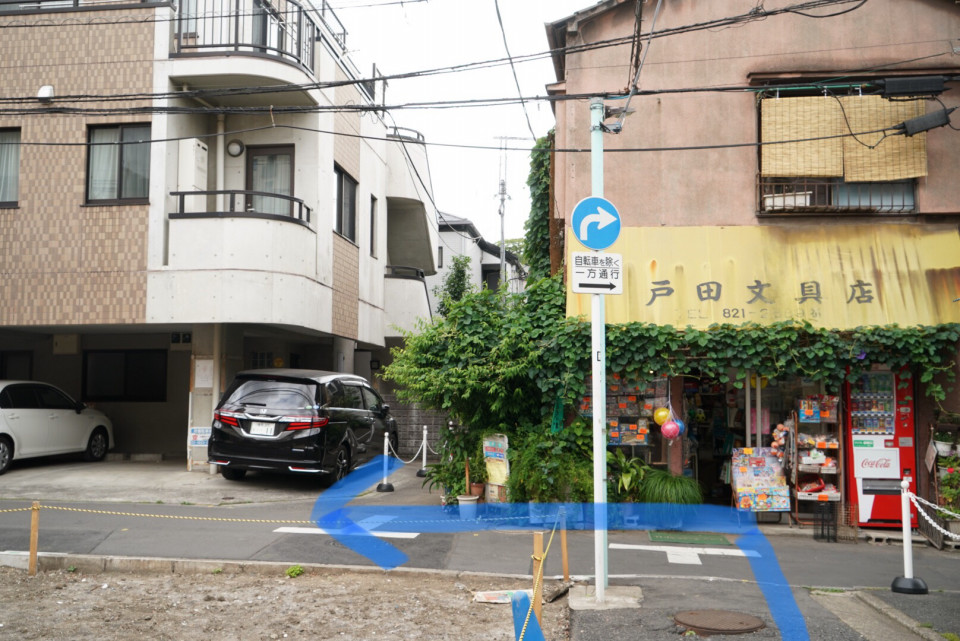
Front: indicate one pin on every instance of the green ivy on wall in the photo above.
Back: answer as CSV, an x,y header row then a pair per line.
x,y
499,361
537,246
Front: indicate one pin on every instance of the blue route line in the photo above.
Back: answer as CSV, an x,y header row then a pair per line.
x,y
332,513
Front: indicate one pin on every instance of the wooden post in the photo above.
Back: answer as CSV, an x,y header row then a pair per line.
x,y
537,570
34,537
563,545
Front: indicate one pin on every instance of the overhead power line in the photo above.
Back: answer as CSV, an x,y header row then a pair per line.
x,y
513,68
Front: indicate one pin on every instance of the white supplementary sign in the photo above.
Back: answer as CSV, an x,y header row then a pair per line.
x,y
199,436
596,273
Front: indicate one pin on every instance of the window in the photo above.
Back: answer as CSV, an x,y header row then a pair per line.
x,y
345,207
439,257
187,20
9,167
118,167
125,375
836,172
346,397
373,226
371,399
261,360
270,171
54,399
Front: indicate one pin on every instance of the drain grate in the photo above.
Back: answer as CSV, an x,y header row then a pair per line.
x,y
707,622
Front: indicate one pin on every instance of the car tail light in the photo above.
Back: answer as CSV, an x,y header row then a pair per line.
x,y
306,422
226,418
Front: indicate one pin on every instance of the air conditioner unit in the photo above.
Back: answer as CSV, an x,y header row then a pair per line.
x,y
192,174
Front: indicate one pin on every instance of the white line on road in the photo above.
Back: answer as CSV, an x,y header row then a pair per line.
x,y
316,530
685,556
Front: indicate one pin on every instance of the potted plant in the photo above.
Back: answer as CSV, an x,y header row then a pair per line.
x,y
547,468
950,495
624,477
943,441
672,491
944,465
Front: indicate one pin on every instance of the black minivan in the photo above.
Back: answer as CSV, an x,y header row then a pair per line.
x,y
297,420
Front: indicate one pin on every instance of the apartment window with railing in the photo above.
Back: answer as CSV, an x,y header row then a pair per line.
x,y
118,164
345,207
9,167
831,171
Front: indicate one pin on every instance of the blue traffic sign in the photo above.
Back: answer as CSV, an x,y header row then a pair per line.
x,y
596,223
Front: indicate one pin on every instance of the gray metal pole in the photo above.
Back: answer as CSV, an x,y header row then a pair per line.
x,y
598,358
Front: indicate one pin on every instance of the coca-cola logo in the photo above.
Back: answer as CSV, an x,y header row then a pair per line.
x,y
876,464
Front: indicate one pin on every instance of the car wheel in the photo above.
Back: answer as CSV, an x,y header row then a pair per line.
x,y
6,453
341,463
97,445
232,473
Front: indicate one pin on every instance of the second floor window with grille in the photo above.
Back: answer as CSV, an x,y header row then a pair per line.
x,y
843,161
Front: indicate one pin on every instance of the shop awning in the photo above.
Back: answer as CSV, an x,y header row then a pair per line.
x,y
834,276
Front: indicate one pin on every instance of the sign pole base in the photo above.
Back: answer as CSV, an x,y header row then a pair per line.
x,y
909,585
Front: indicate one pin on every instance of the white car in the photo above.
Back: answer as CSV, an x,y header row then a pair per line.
x,y
37,419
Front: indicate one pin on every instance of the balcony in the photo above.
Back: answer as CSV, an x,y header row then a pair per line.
x,y
238,203
405,299
282,30
802,196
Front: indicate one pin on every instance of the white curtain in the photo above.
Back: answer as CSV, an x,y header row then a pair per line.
x,y
271,174
9,166
102,173
136,163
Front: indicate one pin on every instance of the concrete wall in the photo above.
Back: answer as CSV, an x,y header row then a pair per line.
x,y
718,187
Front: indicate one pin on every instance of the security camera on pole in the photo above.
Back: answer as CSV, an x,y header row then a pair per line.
x,y
596,224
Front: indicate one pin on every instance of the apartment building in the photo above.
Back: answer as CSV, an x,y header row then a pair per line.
x,y
460,237
191,189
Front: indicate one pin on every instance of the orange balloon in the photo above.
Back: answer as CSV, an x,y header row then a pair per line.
x,y
660,415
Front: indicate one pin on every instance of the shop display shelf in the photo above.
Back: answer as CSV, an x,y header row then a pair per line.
x,y
817,496
816,469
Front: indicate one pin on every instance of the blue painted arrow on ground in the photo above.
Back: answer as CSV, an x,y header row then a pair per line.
x,y
332,513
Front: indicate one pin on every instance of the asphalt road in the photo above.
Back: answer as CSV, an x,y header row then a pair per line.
x,y
151,510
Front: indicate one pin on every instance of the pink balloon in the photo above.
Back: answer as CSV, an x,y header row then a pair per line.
x,y
670,429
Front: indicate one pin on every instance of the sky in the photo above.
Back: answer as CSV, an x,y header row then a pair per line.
x,y
438,33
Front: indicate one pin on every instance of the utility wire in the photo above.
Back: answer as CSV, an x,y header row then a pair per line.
x,y
463,146
636,78
513,68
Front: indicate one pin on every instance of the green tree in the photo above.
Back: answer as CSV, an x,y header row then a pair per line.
x,y
455,284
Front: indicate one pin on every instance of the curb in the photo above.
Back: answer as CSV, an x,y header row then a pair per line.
x,y
53,561
898,616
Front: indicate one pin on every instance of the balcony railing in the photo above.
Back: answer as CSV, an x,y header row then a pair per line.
x,y
31,6
241,204
280,29
799,196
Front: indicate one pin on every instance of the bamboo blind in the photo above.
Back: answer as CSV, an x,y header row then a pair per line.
x,y
800,118
893,157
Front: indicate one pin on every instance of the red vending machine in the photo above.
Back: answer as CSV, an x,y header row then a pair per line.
x,y
880,444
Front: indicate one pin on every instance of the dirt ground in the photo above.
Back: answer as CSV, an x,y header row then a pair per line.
x,y
319,604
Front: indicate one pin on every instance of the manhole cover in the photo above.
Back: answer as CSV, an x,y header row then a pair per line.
x,y
705,622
